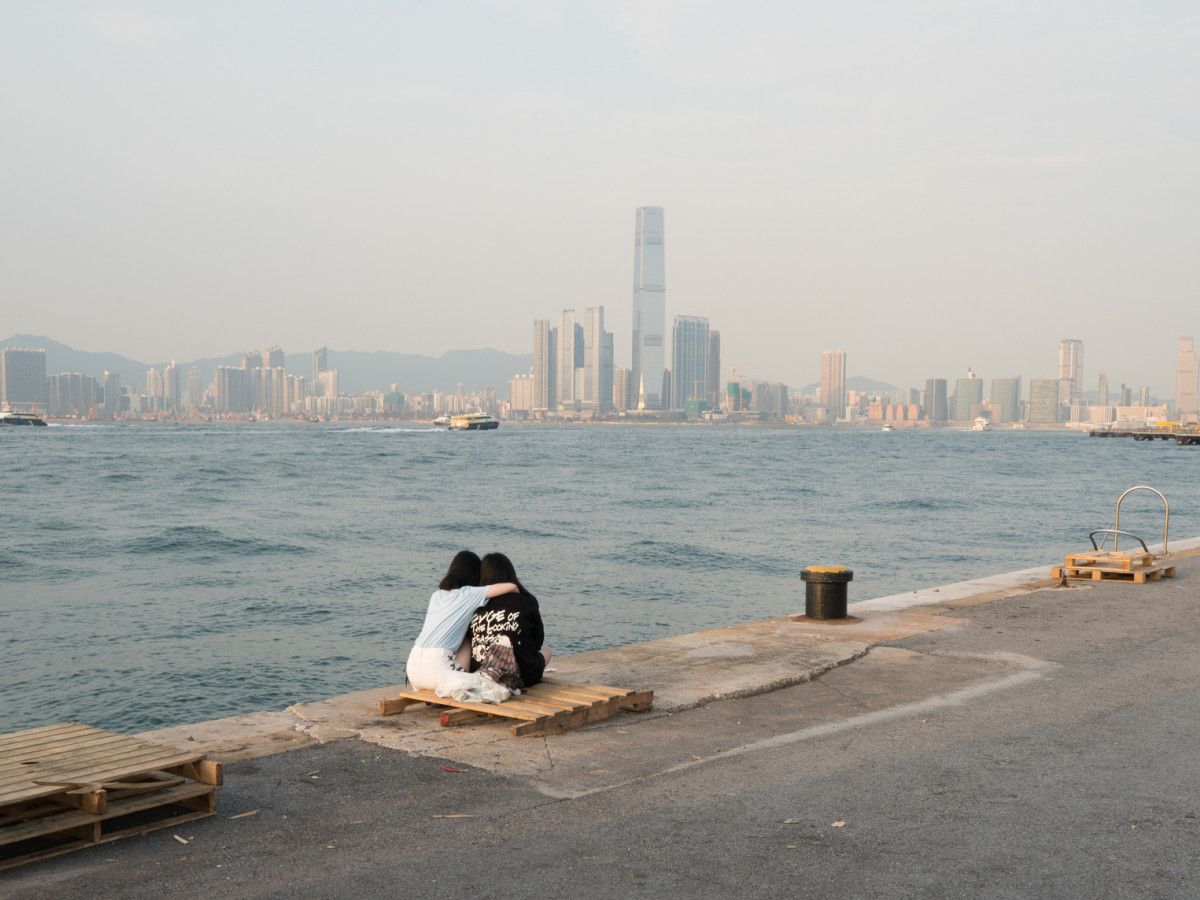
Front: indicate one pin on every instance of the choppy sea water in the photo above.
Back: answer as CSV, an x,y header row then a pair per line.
x,y
154,575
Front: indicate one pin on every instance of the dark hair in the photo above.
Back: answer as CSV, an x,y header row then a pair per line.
x,y
496,568
463,571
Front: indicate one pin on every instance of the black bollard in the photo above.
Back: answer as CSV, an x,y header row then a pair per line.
x,y
825,591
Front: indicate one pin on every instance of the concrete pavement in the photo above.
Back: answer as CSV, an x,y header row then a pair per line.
x,y
1038,745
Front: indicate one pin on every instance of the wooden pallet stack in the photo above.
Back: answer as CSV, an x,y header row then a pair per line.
x,y
1113,565
546,708
65,787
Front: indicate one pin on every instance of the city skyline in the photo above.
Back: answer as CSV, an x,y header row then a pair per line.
x,y
808,206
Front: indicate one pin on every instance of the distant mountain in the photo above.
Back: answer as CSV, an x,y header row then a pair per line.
x,y
61,358
357,370
856,383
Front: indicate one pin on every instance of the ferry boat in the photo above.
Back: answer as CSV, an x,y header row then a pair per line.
x,y
982,424
16,418
473,422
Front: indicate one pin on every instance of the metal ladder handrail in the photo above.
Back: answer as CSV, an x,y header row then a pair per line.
x,y
1166,515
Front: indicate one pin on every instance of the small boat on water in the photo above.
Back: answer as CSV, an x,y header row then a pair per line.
x,y
473,422
16,418
888,428
982,424
442,421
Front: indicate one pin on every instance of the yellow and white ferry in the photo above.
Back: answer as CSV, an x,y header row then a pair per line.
x,y
473,422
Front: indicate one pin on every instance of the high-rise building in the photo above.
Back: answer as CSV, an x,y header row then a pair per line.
x,y
968,392
689,360
195,393
1126,396
714,368
273,358
22,379
252,360
621,388
172,381
649,306
1044,407
1006,399
320,363
597,361
543,374
112,393
1144,395
1102,390
936,405
1070,367
570,357
833,383
1187,380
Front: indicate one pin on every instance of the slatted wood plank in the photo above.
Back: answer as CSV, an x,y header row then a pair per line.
x,y
86,754
20,754
566,721
40,736
140,764
547,707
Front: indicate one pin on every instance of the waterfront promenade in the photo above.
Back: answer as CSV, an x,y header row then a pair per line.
x,y
1005,739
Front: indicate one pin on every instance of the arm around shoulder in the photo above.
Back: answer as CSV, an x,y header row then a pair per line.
x,y
496,590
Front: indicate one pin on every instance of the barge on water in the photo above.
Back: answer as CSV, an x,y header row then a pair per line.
x,y
1181,436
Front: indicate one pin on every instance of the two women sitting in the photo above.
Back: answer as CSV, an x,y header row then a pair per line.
x,y
483,637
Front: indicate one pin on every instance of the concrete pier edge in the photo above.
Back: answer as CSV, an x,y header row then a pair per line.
x,y
686,671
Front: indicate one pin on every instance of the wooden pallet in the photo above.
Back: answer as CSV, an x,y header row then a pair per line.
x,y
1106,573
1113,559
546,708
65,787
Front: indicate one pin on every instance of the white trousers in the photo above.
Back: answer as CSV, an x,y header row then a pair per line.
x,y
433,669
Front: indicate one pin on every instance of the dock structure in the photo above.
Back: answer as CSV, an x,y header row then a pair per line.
x,y
1191,437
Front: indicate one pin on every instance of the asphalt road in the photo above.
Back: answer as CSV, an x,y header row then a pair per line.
x,y
1048,747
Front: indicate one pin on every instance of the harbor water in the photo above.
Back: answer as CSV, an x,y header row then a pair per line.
x,y
156,574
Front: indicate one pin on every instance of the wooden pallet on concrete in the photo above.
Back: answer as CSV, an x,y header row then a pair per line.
x,y
1106,573
1112,559
546,708
65,787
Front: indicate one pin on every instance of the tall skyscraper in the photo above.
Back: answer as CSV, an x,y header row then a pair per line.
x,y
112,393
1070,367
936,405
22,378
1006,399
649,306
1144,395
714,368
273,358
597,361
172,386
1102,390
833,383
968,392
570,357
1187,379
543,366
689,360
320,363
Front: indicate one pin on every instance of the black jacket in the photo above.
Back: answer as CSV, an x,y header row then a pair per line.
x,y
515,616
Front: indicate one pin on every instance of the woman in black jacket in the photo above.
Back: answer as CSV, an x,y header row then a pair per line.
x,y
507,638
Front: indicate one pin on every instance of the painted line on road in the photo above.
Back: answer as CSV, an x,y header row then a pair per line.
x,y
1031,670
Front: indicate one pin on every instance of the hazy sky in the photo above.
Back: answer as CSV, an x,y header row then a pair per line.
x,y
929,185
